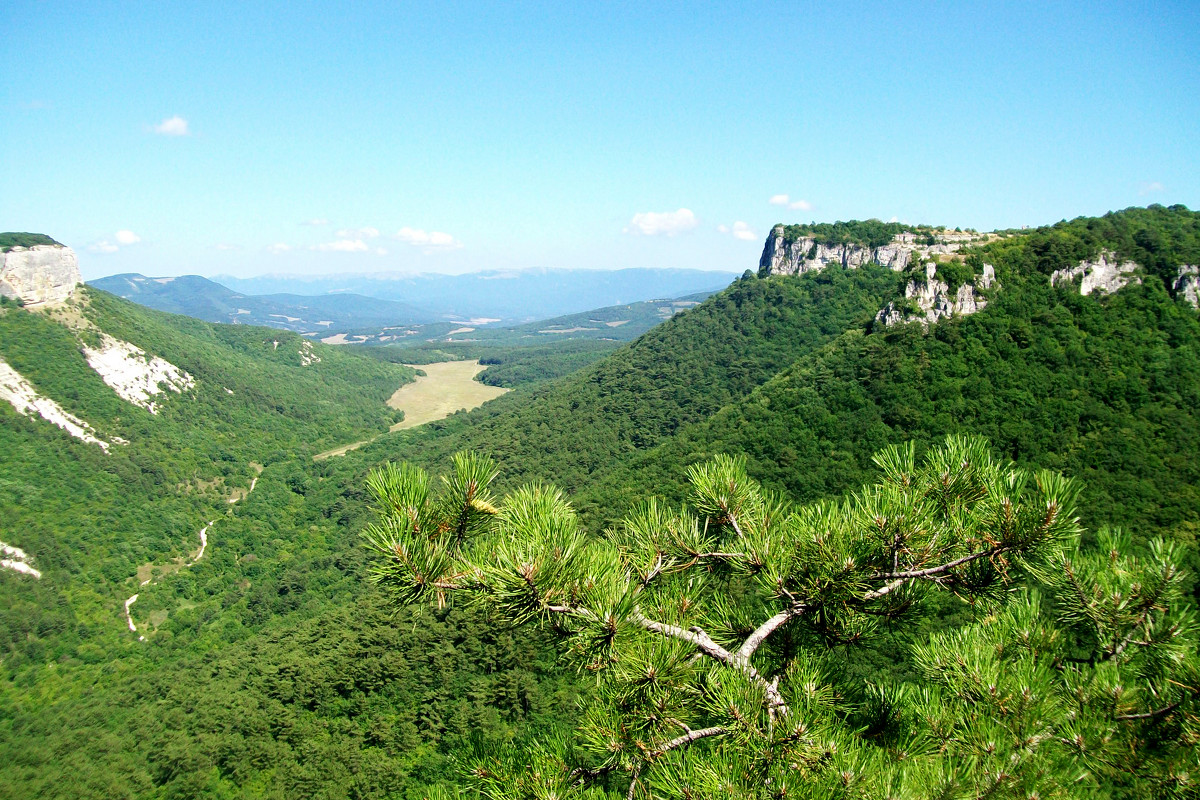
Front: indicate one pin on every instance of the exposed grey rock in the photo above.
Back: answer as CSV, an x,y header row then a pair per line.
x,y
780,257
1187,285
41,274
934,300
1104,274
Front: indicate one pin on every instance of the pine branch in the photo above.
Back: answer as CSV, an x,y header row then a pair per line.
x,y
699,639
689,737
941,569
1151,714
761,633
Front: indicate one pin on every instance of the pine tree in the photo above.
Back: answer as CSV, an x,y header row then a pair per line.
x,y
718,634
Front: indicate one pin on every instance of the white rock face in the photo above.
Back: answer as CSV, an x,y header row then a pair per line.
x,y
780,257
307,357
41,274
934,300
134,375
25,399
17,560
1187,285
1104,275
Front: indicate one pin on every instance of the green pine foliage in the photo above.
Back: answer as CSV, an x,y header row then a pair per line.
x,y
714,633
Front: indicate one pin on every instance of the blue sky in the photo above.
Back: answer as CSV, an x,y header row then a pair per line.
x,y
245,138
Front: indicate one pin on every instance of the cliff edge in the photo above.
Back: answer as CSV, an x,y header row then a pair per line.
x,y
37,274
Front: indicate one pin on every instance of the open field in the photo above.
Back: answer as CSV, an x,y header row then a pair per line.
x,y
446,387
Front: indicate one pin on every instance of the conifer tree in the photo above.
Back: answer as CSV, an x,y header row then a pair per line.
x,y
715,633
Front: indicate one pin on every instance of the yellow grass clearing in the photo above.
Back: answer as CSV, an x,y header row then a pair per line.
x,y
446,387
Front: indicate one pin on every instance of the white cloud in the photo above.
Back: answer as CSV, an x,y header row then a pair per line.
x,y
278,247
739,230
785,200
315,222
668,223
341,246
173,126
430,240
358,233
1151,187
122,237
224,246
381,251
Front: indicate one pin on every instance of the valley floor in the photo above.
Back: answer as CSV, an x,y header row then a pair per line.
x,y
446,387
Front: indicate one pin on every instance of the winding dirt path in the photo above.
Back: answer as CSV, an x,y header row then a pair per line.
x,y
199,555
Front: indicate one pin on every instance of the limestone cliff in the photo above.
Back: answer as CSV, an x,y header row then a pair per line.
x,y
1187,285
1105,274
808,254
39,274
930,299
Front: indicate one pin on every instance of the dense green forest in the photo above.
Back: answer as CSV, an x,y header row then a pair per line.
x,y
272,668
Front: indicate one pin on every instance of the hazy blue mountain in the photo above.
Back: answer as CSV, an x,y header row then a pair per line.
x,y
203,299
504,295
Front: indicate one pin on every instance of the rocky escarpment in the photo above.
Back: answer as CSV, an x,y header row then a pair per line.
x,y
26,400
1106,274
1187,285
133,374
40,274
809,254
926,301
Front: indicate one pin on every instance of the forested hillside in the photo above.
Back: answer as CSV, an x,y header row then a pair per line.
x,y
271,668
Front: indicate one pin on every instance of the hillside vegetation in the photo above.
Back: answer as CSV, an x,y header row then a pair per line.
x,y
271,668
11,239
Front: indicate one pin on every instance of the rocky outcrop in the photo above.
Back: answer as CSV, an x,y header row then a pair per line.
x,y
307,356
38,275
806,254
930,299
781,257
17,560
133,374
1187,285
1105,275
25,399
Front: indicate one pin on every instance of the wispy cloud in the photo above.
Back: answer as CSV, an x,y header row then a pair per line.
x,y
315,222
429,241
341,246
122,238
739,230
1151,187
226,247
785,200
173,126
358,233
278,247
666,223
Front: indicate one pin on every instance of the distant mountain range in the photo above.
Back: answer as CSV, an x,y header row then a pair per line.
x,y
203,299
511,296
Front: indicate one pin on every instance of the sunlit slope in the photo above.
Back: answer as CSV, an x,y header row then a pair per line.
x,y
680,372
1105,387
89,518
